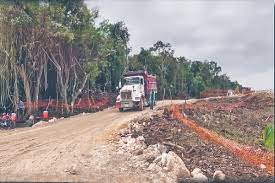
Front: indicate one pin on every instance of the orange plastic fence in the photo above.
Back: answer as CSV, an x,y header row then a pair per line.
x,y
246,153
83,103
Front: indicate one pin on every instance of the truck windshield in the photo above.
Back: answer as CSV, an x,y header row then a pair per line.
x,y
132,81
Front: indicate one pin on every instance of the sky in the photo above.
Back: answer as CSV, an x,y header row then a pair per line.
x,y
237,34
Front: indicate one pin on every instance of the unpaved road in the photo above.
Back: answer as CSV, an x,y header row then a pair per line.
x,y
73,149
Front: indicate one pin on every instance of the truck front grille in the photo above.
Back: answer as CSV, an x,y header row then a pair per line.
x,y
126,95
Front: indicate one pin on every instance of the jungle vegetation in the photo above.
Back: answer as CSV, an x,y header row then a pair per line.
x,y
56,49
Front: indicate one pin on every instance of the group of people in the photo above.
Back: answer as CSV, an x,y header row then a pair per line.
x,y
6,120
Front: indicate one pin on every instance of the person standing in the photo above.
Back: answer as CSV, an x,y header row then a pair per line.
x,y
152,99
21,109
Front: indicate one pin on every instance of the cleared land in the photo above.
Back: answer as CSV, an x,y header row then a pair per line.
x,y
89,148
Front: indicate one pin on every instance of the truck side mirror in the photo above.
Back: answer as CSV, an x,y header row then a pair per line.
x,y
119,84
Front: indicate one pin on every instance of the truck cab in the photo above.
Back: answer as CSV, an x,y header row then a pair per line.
x,y
135,91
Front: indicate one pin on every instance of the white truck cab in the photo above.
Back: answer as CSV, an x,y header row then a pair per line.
x,y
136,90
132,93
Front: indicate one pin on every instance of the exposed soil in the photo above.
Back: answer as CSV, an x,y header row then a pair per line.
x,y
195,152
241,119
78,148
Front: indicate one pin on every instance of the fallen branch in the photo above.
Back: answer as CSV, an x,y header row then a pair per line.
x,y
174,145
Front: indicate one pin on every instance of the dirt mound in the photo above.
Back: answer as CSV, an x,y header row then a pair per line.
x,y
250,101
258,100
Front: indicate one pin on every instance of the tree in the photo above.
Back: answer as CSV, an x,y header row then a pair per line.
x,y
56,36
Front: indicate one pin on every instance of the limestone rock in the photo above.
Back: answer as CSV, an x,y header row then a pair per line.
x,y
136,127
150,153
200,178
218,176
52,120
133,145
196,171
197,176
175,163
172,164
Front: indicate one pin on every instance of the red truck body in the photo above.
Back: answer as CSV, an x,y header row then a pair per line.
x,y
150,81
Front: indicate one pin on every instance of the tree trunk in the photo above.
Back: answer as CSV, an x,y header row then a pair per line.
x,y
37,87
15,95
62,84
23,75
78,92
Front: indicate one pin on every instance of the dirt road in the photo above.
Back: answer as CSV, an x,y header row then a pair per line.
x,y
73,149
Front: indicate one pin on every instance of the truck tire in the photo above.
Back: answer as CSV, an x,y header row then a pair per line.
x,y
120,109
141,106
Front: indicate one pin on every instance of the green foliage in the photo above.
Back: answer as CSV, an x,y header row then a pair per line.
x,y
33,33
187,78
268,136
91,68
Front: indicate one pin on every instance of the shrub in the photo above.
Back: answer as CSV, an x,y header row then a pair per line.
x,y
268,136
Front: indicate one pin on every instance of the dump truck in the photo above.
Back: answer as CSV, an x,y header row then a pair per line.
x,y
138,90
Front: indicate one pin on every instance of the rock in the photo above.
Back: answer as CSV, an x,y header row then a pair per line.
x,y
175,164
150,153
162,148
196,171
262,166
218,176
137,152
123,132
62,118
172,164
72,170
52,120
141,138
40,123
133,145
123,140
136,127
161,160
154,168
197,176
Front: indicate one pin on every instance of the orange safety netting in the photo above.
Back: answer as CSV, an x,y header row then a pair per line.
x,y
246,153
84,103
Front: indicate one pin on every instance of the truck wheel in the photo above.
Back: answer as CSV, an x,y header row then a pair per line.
x,y
141,105
120,109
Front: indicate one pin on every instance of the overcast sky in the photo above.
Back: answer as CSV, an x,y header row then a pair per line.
x,y
238,34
